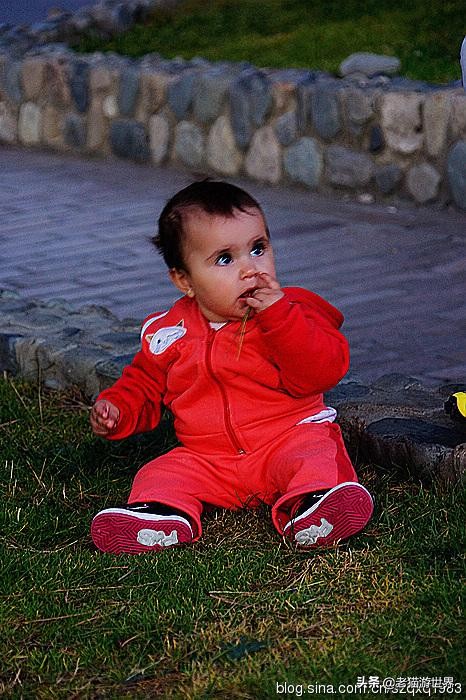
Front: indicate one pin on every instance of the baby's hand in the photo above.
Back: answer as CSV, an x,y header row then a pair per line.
x,y
268,292
104,417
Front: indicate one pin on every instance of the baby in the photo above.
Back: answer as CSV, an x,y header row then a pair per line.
x,y
242,364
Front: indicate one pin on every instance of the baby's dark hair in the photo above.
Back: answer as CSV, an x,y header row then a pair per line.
x,y
210,196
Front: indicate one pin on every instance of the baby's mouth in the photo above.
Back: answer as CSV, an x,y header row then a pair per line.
x,y
248,293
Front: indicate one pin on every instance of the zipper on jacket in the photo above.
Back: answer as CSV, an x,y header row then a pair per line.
x,y
226,407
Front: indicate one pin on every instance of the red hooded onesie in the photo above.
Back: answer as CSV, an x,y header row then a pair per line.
x,y
250,417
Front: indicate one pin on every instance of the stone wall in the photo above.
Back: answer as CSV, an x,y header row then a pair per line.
x,y
376,137
379,137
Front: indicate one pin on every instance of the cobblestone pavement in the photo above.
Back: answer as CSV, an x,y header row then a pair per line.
x,y
15,12
78,230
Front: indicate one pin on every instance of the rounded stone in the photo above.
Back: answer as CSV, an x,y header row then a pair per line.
x,y
418,430
437,108
123,17
263,161
457,173
110,106
96,126
369,64
33,72
128,140
80,22
52,126
376,140
128,93
189,144
283,94
303,162
222,153
209,94
159,135
286,128
29,124
358,104
250,101
458,117
325,112
152,94
423,182
388,177
100,79
401,121
180,95
12,81
8,126
104,19
304,93
348,168
57,83
75,131
79,85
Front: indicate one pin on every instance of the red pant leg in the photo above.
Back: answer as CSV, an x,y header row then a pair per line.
x,y
313,457
184,480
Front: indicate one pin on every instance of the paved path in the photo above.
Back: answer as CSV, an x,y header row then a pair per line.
x,y
78,230
15,12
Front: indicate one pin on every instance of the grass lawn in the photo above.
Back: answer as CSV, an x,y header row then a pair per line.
x,y
229,617
315,34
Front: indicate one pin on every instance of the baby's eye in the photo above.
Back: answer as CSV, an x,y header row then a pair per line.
x,y
223,259
258,248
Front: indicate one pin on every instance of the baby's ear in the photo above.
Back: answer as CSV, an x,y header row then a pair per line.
x,y
182,281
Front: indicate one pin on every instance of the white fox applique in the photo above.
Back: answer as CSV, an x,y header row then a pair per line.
x,y
164,337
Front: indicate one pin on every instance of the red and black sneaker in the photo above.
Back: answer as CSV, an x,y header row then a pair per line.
x,y
339,513
139,528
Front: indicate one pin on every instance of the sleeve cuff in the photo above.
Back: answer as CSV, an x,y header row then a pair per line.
x,y
275,315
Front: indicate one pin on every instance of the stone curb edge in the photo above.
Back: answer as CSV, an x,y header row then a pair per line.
x,y
396,422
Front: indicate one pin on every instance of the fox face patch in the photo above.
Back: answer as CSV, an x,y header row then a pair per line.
x,y
163,338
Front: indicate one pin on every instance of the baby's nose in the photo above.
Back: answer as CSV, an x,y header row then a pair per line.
x,y
248,267
249,271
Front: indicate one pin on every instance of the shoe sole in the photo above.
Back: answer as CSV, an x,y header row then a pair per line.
x,y
341,513
119,531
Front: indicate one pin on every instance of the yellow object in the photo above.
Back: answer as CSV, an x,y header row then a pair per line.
x,y
456,406
460,397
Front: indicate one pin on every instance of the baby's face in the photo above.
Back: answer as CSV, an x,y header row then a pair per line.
x,y
223,257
